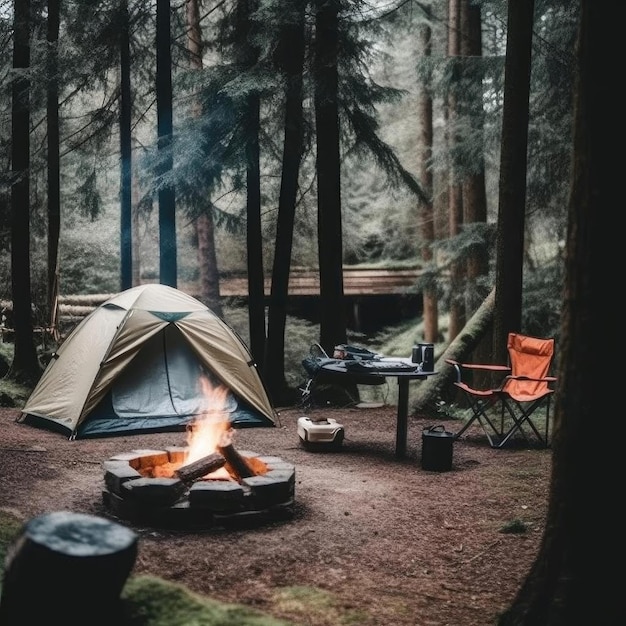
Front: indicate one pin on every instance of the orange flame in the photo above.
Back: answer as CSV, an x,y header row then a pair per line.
x,y
212,428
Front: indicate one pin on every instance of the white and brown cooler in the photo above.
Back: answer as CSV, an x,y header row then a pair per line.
x,y
321,434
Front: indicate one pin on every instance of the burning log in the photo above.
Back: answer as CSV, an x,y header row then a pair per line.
x,y
235,463
201,467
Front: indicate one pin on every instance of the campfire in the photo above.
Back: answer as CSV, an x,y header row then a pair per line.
x,y
206,483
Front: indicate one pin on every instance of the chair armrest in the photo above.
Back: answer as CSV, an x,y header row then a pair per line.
x,y
316,350
545,379
459,367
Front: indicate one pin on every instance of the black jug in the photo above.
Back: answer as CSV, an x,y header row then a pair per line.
x,y
427,356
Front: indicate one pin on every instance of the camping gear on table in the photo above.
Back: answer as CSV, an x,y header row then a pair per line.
x,y
150,359
424,354
323,376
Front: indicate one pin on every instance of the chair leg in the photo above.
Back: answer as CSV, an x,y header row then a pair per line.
x,y
547,439
524,416
306,393
479,412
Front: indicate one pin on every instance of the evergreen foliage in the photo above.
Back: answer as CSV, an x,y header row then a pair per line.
x,y
378,71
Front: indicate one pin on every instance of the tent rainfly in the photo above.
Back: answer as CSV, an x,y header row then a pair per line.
x,y
150,359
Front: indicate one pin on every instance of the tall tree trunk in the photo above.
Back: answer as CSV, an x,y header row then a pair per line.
x,y
54,168
290,60
430,303
204,223
126,167
167,204
254,239
207,260
328,164
475,194
572,580
513,166
247,55
25,366
455,196
136,238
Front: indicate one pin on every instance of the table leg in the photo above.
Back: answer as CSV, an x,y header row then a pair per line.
x,y
402,419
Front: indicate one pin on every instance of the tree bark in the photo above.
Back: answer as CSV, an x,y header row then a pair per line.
x,y
572,580
246,56
54,183
25,366
430,302
136,239
254,236
204,223
126,165
328,164
207,261
290,60
474,192
168,273
512,184
455,195
475,196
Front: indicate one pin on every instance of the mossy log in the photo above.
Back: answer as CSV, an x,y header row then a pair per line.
x,y
432,390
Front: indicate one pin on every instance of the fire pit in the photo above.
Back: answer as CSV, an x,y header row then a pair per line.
x,y
202,485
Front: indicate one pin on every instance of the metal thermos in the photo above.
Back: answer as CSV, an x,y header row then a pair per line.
x,y
416,355
428,356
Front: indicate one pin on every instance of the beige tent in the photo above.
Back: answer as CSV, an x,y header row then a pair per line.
x,y
151,358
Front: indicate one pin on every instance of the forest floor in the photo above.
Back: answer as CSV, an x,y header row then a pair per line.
x,y
374,540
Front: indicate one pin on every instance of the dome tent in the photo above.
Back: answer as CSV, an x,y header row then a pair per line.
x,y
139,363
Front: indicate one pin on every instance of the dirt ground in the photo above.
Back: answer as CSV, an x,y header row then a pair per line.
x,y
388,542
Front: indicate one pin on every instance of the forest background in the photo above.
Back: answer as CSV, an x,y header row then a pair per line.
x,y
156,155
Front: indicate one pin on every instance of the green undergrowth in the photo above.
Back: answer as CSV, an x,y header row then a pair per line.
x,y
151,601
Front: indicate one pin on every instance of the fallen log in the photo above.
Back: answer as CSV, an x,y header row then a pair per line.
x,y
201,467
434,388
236,464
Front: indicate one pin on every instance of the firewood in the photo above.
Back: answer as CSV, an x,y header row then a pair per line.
x,y
201,467
235,463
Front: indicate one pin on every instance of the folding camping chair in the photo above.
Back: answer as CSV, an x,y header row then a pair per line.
x,y
521,397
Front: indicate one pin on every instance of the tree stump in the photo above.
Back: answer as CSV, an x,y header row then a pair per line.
x,y
69,567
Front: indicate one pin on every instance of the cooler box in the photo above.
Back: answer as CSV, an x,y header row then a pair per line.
x,y
437,449
325,434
